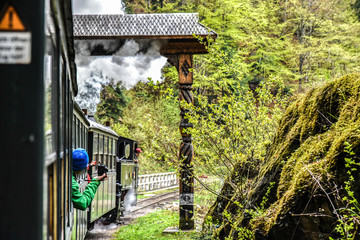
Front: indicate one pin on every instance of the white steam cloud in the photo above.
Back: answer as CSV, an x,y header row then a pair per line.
x,y
129,200
127,62
98,7
130,62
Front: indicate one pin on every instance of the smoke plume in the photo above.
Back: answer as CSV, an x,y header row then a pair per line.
x,y
113,61
98,7
129,63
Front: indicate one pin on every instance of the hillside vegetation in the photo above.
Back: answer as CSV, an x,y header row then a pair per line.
x,y
269,119
307,185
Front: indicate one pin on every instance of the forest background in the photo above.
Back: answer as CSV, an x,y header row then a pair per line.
x,y
266,53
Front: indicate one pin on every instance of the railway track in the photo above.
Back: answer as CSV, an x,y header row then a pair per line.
x,y
154,200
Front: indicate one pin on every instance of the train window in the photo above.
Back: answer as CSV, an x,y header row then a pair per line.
x,y
73,132
107,156
48,96
101,144
106,145
82,136
114,148
68,147
114,152
86,138
95,146
127,151
78,129
110,146
50,84
96,139
110,153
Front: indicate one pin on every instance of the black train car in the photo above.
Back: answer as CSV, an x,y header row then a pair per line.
x,y
128,169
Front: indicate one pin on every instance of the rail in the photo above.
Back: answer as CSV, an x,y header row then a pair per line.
x,y
150,182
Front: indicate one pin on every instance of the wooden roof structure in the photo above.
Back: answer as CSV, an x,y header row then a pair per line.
x,y
180,30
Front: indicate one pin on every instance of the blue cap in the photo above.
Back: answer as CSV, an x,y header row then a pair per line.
x,y
80,159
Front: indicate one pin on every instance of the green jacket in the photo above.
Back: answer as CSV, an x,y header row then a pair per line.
x,y
82,200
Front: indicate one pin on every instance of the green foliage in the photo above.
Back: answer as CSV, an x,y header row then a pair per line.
x,y
234,128
349,220
265,50
152,225
293,41
301,41
310,162
321,31
356,6
152,118
112,104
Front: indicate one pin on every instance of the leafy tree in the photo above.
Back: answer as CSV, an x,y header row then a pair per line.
x,y
297,42
302,41
152,118
322,42
356,7
265,50
112,104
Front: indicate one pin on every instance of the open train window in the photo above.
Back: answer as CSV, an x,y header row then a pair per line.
x,y
95,147
101,144
127,151
106,145
124,150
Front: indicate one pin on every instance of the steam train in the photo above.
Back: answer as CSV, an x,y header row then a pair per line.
x,y
42,125
117,153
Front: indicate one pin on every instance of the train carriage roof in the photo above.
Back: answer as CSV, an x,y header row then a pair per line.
x,y
79,111
94,126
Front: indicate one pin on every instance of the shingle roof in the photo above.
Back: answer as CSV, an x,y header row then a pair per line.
x,y
140,25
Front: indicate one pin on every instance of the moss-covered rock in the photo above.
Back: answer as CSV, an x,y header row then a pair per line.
x,y
303,177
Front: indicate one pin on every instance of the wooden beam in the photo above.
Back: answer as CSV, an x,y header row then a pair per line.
x,y
186,186
183,47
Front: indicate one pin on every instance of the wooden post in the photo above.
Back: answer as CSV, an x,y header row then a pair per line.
x,y
186,185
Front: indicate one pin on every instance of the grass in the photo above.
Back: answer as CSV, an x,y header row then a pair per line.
x,y
152,226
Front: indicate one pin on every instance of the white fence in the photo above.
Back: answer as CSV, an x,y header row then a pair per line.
x,y
149,182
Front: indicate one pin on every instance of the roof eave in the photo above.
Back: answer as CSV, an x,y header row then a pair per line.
x,y
168,37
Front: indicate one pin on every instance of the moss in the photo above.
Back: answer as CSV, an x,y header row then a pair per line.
x,y
309,145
